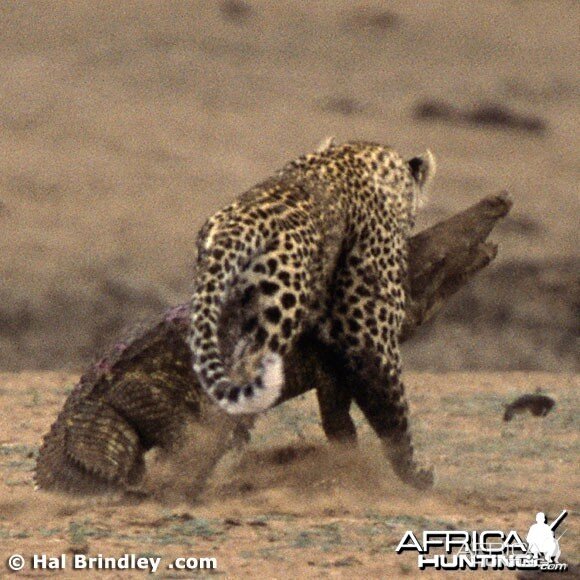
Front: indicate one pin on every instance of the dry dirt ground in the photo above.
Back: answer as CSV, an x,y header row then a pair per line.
x,y
123,125
290,505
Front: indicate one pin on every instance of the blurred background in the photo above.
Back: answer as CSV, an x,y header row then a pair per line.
x,y
124,125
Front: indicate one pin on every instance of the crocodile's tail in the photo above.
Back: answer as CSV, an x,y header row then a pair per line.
x,y
207,303
90,449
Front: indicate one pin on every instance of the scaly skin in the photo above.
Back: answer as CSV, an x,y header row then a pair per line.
x,y
143,392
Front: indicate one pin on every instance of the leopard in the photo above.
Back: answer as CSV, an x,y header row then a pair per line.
x,y
321,246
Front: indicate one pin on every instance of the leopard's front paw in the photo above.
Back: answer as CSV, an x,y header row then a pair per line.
x,y
405,466
421,478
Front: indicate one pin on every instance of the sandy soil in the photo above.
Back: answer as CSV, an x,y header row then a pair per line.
x,y
290,504
124,125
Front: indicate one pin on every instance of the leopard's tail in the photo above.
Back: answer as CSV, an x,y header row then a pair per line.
x,y
206,308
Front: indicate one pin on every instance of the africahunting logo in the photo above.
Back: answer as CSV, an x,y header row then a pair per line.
x,y
490,549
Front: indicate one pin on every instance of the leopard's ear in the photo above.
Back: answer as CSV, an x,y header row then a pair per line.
x,y
326,144
423,168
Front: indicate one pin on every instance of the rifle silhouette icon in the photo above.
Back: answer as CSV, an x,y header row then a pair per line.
x,y
558,520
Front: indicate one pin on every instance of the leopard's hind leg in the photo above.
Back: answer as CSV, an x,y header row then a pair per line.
x,y
364,323
335,396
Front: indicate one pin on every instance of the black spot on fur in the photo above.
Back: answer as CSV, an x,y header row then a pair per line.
x,y
287,328
269,288
274,343
273,314
234,395
288,300
336,328
247,295
353,325
363,291
261,336
250,325
260,269
284,277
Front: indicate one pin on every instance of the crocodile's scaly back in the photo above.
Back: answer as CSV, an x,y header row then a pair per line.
x,y
135,398
139,395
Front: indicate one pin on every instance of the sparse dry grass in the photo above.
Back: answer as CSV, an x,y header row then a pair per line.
x,y
290,504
